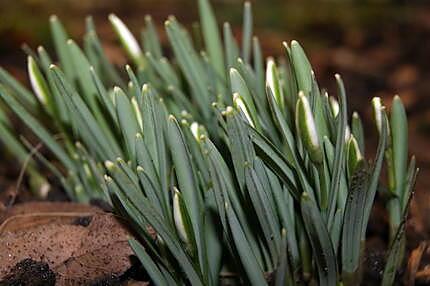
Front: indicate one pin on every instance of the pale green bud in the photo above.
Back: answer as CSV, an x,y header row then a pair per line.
x,y
137,112
377,112
334,104
178,215
273,82
354,155
307,130
127,39
37,82
240,104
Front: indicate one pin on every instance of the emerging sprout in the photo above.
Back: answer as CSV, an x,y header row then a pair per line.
x,y
240,105
127,40
194,127
37,82
377,114
354,157
137,112
334,104
273,82
307,129
178,215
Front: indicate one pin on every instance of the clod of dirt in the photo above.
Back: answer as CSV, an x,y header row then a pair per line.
x,y
81,245
29,272
111,280
83,221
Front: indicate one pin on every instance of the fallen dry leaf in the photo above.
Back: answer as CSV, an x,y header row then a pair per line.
x,y
414,263
79,244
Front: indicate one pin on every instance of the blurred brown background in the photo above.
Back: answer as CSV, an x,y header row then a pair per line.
x,y
381,48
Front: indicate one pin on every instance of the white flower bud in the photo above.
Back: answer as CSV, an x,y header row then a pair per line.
x,y
137,112
127,39
178,215
37,82
273,82
307,130
377,112
334,104
240,104
354,155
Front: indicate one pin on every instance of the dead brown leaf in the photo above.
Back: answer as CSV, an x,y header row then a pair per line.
x,y
79,243
414,263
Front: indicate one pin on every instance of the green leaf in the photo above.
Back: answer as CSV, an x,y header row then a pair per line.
x,y
283,275
211,36
89,89
25,96
151,42
134,83
357,131
276,161
336,229
247,32
353,222
107,70
289,79
214,238
241,148
154,127
319,238
104,96
375,173
392,263
249,261
58,104
264,212
144,211
187,184
60,38
399,134
302,68
339,162
190,64
105,147
319,110
410,182
293,158
81,63
143,159
153,271
396,250
37,128
259,71
225,191
239,86
230,47
127,121
164,70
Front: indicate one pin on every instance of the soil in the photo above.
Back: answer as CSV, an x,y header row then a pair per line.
x,y
30,272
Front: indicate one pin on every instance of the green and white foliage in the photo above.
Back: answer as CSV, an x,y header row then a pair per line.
x,y
226,169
